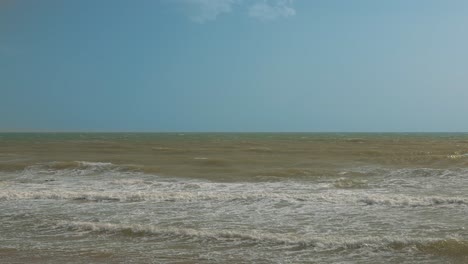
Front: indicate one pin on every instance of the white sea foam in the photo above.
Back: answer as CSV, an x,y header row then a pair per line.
x,y
265,237
148,195
188,196
78,168
95,164
405,200
130,182
176,231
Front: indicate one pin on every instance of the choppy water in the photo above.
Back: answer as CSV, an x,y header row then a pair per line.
x,y
234,198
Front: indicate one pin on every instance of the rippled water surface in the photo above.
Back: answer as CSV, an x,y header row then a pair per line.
x,y
233,198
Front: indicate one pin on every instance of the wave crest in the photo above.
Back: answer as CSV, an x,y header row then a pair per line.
x,y
134,196
195,195
81,168
453,246
404,200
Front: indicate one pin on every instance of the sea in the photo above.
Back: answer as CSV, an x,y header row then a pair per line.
x,y
234,198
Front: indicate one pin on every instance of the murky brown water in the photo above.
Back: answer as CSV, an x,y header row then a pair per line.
x,y
235,198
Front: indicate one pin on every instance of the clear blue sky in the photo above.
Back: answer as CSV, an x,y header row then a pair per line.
x,y
233,65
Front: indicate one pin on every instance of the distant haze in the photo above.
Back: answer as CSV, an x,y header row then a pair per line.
x,y
234,65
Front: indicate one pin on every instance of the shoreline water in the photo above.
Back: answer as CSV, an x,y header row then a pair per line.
x,y
233,198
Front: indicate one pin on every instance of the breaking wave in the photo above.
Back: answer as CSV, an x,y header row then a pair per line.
x,y
348,183
133,196
188,196
447,245
82,168
405,200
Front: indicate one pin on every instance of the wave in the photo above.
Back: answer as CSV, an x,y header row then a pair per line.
x,y
77,168
60,165
60,195
405,200
294,172
13,166
208,162
223,196
358,176
348,183
136,229
54,165
426,172
134,196
362,172
449,245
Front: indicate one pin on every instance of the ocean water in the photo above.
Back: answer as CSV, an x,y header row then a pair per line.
x,y
233,198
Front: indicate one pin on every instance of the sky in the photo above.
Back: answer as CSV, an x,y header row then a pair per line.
x,y
234,65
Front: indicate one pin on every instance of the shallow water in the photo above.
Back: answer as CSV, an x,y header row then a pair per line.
x,y
233,198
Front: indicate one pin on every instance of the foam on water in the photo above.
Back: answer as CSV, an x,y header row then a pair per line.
x,y
329,197
357,211
405,200
320,243
115,183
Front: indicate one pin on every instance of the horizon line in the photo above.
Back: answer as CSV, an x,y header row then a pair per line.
x,y
224,132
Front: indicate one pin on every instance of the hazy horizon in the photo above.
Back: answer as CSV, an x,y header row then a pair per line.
x,y
232,132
